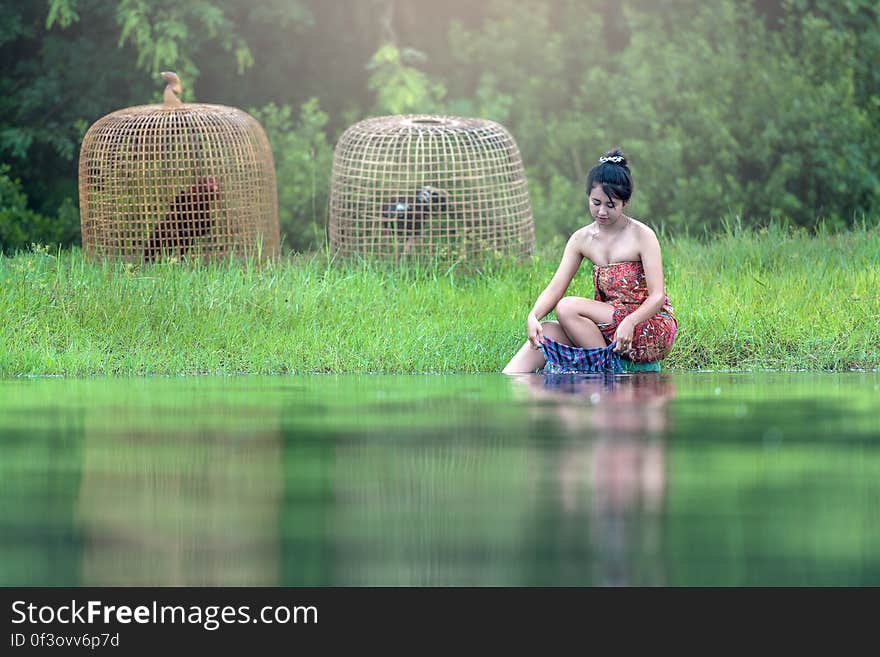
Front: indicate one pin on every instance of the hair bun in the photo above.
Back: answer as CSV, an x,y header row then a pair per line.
x,y
614,157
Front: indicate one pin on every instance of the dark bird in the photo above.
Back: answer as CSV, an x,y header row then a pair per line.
x,y
406,214
188,219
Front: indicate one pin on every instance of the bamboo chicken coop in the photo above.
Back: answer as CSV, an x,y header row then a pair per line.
x,y
444,187
177,180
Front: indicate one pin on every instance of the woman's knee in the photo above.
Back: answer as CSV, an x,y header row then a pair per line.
x,y
567,309
572,312
554,331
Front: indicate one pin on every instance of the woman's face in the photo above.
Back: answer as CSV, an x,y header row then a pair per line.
x,y
605,210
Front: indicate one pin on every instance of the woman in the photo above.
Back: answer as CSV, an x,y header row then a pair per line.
x,y
630,307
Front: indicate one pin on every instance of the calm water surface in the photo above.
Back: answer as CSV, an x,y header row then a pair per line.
x,y
684,479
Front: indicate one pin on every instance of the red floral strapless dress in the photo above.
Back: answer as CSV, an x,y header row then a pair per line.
x,y
622,285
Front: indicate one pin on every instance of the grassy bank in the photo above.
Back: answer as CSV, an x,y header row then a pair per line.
x,y
773,299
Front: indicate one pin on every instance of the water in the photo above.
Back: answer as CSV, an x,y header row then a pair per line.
x,y
684,479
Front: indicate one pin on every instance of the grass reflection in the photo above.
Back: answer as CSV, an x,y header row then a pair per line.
x,y
447,480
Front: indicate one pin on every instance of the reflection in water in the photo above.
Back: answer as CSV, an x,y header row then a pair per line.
x,y
40,459
441,504
455,480
179,491
611,468
157,482
180,510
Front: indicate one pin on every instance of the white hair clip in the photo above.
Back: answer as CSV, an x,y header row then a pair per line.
x,y
617,159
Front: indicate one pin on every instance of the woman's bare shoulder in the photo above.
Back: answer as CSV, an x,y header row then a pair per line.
x,y
584,231
641,226
585,234
583,237
643,230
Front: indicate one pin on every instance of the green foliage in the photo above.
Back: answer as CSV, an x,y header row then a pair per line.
x,y
858,20
720,116
62,12
21,226
728,110
400,88
740,132
488,102
165,33
303,160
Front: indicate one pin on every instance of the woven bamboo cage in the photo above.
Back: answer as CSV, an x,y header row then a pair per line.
x,y
177,180
424,185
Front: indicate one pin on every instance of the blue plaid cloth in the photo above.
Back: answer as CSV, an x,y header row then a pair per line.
x,y
562,359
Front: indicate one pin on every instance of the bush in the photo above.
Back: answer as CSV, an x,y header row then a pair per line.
x,y
20,226
303,161
721,116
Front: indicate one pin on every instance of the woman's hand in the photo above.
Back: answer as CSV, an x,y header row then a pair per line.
x,y
535,331
623,336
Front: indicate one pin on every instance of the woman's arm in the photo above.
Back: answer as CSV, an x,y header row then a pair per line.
x,y
571,261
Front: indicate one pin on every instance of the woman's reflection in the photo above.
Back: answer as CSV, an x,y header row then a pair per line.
x,y
610,467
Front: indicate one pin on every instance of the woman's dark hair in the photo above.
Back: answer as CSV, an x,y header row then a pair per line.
x,y
613,174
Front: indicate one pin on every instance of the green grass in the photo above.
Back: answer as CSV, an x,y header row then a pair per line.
x,y
769,299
